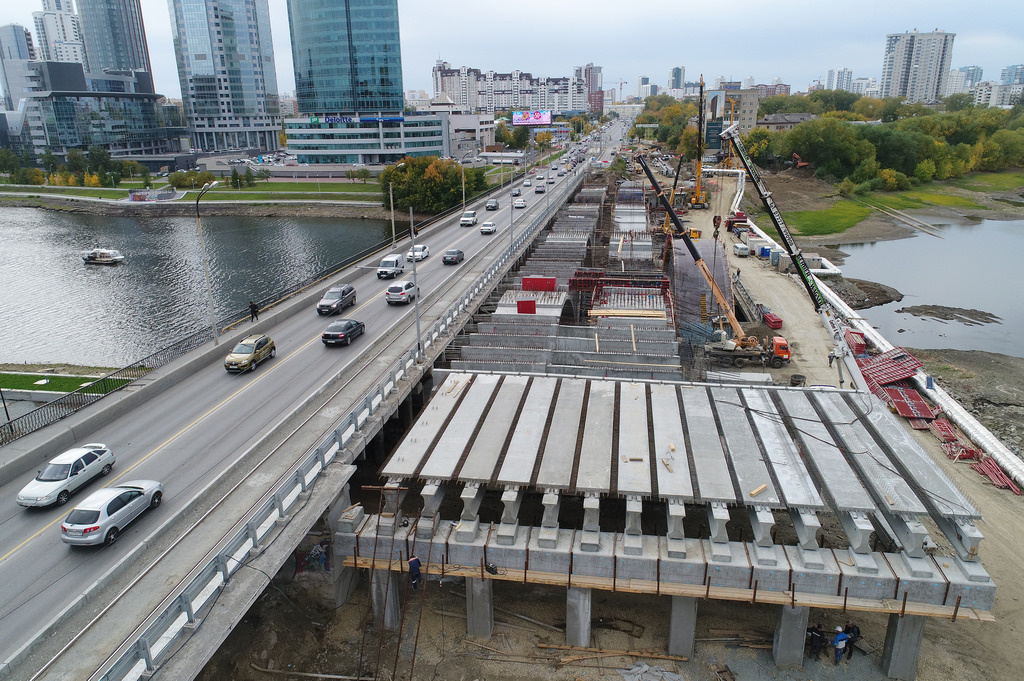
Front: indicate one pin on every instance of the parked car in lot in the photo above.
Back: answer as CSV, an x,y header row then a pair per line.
x,y
453,256
403,291
492,204
519,203
336,299
516,191
104,514
417,253
249,352
66,473
488,228
342,331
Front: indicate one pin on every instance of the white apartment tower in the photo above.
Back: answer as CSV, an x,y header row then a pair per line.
x,y
59,32
839,79
915,65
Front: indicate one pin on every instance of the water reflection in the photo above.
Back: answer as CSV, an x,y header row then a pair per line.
x,y
55,309
974,266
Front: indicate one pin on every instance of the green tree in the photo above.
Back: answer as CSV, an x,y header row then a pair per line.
x,y
9,161
236,181
544,139
501,134
98,159
869,108
363,174
49,161
760,145
959,101
788,104
429,184
250,177
834,100
76,162
263,174
832,146
520,137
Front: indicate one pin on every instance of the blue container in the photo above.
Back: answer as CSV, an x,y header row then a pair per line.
x,y
764,252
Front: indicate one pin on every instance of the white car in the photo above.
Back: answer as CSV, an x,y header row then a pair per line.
x,y
418,252
104,514
488,228
519,203
527,183
403,291
66,473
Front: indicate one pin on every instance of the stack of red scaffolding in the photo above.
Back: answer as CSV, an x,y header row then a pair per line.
x,y
990,469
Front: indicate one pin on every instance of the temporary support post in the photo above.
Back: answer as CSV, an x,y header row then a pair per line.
x,y
682,626
577,617
902,646
479,607
386,608
790,633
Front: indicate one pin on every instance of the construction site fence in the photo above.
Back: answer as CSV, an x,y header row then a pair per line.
x,y
163,630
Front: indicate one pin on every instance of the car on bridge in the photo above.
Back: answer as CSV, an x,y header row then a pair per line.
x,y
336,299
516,191
453,256
54,484
104,514
519,203
403,291
249,352
418,252
342,331
488,227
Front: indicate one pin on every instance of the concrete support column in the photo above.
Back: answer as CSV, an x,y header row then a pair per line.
x,y
790,634
902,646
509,527
682,627
384,592
469,523
577,617
433,495
547,536
343,517
479,607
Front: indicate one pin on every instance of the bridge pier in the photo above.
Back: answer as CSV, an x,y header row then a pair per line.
x,y
343,517
387,610
790,635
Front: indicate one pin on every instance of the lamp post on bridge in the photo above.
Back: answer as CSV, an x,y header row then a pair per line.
x,y
206,265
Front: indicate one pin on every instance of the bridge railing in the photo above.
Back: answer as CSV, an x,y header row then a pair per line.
x,y
176,617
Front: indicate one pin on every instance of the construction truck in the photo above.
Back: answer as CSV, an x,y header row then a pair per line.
x,y
698,195
741,349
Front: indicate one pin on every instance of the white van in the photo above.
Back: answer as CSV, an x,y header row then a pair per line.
x,y
391,266
468,219
740,250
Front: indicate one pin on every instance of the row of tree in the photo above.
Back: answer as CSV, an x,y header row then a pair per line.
x,y
428,183
866,143
92,168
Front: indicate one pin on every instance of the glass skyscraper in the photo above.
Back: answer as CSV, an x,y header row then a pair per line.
x,y
347,56
226,69
114,35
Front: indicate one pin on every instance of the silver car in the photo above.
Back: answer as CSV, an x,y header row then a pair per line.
x,y
104,514
403,291
66,473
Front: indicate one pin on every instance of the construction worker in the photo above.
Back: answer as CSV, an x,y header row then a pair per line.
x,y
839,642
853,632
816,638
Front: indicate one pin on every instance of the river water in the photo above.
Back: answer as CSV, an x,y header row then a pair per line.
x,y
973,266
53,308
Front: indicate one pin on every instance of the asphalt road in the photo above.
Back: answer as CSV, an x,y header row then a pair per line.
x,y
191,432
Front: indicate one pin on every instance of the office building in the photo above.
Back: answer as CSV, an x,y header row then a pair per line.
x,y
1012,75
114,35
59,31
915,65
16,51
225,55
641,82
676,77
348,83
839,79
476,91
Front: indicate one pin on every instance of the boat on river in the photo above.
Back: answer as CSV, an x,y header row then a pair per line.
x,y
102,256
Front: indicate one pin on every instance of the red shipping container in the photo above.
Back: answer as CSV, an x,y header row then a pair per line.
x,y
539,283
773,321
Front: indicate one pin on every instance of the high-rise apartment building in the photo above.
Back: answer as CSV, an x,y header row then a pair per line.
x,y
1012,75
225,55
866,87
839,79
641,82
476,91
592,76
915,65
348,82
114,35
59,31
972,76
16,51
676,77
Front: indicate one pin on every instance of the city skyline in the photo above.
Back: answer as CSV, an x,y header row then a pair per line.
x,y
797,43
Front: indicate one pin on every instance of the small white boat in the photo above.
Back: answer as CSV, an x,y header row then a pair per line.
x,y
102,256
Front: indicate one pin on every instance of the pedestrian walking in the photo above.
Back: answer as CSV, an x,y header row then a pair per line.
x,y
254,312
852,631
839,643
816,637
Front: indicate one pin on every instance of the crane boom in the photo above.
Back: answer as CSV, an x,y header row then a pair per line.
x,y
732,134
738,334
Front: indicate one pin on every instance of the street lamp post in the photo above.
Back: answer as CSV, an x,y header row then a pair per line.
x,y
391,196
206,265
416,283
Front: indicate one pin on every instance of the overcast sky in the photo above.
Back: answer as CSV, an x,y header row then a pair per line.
x,y
797,41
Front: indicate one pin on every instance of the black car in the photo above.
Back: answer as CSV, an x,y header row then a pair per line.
x,y
342,332
453,256
336,299
516,191
492,204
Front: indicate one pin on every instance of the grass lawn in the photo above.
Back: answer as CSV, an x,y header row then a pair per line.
x,y
982,182
54,382
305,186
914,198
835,220
67,191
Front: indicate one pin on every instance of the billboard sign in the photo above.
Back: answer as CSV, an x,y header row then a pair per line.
x,y
531,118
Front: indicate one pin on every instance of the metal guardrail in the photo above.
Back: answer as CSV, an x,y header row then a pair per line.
x,y
69,403
163,629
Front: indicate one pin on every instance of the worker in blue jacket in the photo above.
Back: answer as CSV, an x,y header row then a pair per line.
x,y
839,643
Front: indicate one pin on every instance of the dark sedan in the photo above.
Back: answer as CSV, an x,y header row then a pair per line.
x,y
453,256
336,299
342,332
